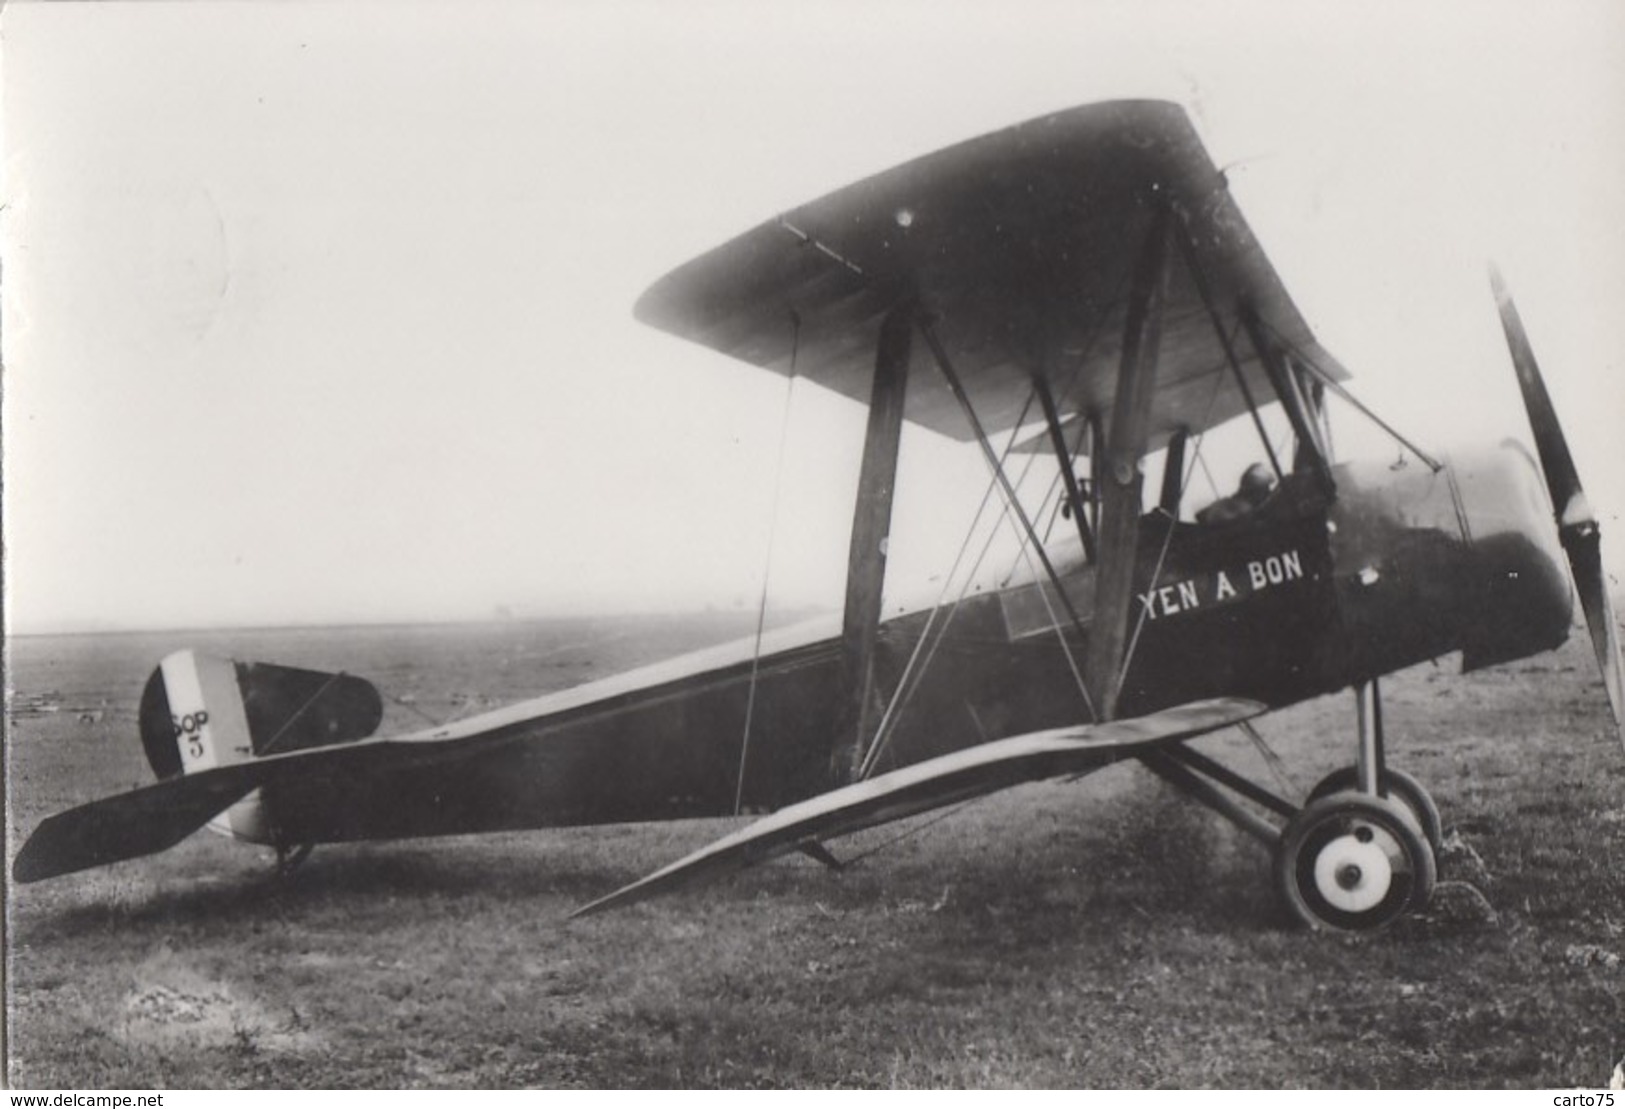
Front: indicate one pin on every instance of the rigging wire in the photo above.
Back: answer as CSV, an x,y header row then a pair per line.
x,y
1056,622
1276,764
911,678
410,707
1336,387
987,545
1199,277
1212,485
767,559
1173,522
905,691
913,831
906,687
1119,298
270,744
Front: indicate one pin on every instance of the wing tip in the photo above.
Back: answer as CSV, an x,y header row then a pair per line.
x,y
602,905
629,894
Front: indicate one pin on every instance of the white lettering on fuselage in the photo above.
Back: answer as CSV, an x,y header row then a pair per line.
x,y
1255,576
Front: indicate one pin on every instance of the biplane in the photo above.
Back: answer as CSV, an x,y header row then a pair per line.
x,y
1078,291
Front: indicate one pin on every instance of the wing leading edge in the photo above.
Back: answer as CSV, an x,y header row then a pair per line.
x,y
935,783
1017,246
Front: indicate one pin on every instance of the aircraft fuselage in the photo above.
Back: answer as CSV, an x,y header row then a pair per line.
x,y
1308,596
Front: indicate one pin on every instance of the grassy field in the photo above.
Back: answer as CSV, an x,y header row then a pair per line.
x,y
1100,933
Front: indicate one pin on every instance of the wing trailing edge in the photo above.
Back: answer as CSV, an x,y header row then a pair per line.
x,y
934,783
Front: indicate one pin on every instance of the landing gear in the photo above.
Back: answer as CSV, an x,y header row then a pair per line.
x,y
1359,854
290,856
1353,861
1395,785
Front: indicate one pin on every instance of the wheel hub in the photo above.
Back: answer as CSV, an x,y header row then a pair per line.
x,y
1352,873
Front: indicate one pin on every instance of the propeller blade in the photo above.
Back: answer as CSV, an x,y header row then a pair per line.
x,y
1561,477
1585,558
1576,523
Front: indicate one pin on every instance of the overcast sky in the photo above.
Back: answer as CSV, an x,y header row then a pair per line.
x,y
322,313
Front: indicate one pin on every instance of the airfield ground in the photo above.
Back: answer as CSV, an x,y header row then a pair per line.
x,y
1102,933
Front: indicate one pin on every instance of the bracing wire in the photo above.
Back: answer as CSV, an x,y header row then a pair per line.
x,y
409,707
270,744
1060,635
767,560
1168,532
914,670
1330,382
1213,486
913,831
912,676
1272,760
901,698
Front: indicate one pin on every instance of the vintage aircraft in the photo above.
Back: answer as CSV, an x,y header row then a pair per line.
x,y
1081,284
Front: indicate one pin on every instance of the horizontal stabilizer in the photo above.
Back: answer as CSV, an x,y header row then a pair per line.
x,y
155,817
132,824
933,784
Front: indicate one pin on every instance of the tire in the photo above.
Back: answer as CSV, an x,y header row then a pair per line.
x,y
1396,785
1350,862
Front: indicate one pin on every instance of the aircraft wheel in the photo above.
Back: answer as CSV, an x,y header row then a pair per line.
x,y
1352,862
1397,785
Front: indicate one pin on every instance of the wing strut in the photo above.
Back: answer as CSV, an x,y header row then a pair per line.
x,y
1279,373
1074,496
1199,279
1119,492
871,525
1097,465
1173,472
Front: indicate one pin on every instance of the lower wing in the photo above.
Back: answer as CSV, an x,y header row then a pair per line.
x,y
934,783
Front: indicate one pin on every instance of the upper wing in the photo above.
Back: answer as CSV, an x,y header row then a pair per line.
x,y
1018,245
934,783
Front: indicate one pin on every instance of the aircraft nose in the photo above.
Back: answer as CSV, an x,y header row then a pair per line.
x,y
1522,600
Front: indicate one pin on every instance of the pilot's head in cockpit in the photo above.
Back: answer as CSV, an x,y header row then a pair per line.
x,y
1257,482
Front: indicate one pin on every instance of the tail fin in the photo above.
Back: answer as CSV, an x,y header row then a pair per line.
x,y
192,715
199,712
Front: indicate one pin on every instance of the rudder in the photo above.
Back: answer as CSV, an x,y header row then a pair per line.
x,y
200,711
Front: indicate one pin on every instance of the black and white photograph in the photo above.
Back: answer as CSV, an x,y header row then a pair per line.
x,y
811,546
